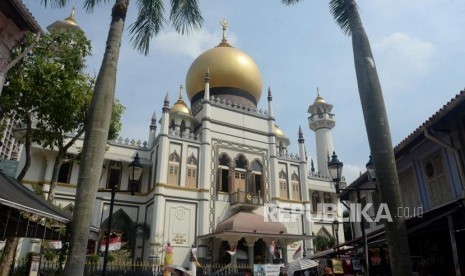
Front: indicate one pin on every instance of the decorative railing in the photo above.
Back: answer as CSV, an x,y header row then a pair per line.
x,y
242,197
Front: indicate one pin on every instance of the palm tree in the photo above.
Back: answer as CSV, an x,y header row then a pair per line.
x,y
346,14
184,15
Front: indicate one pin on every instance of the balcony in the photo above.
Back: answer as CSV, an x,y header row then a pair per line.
x,y
245,201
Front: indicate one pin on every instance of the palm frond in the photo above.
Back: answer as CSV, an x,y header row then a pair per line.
x,y
54,3
89,5
185,15
341,15
290,2
149,22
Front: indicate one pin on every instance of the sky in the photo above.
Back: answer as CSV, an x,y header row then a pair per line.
x,y
417,46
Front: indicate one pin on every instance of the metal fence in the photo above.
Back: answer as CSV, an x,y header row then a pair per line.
x,y
50,268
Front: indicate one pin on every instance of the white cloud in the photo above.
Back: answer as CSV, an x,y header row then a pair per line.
x,y
405,55
192,45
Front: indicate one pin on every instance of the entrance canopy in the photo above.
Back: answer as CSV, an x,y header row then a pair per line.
x,y
22,212
254,226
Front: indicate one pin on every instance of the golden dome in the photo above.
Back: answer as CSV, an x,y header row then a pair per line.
x,y
228,67
180,106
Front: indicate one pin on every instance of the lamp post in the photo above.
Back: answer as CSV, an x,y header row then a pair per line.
x,y
135,170
335,171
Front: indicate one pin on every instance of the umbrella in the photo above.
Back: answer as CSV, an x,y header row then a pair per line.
x,y
301,264
177,270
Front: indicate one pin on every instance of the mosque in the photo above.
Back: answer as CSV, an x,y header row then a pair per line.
x,y
216,174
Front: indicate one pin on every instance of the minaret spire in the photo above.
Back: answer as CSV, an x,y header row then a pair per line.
x,y
180,92
153,129
301,136
206,95
166,104
153,122
270,103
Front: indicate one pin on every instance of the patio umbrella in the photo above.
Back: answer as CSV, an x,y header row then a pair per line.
x,y
301,264
177,270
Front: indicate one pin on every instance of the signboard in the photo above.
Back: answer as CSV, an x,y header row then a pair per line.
x,y
179,240
9,167
266,269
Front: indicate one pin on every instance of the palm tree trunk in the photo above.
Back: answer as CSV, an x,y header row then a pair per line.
x,y
379,138
95,141
8,256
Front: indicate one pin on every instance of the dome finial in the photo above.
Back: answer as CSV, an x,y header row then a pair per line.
x,y
180,92
224,23
317,91
224,41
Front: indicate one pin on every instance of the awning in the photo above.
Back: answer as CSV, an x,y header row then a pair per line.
x,y
22,211
413,224
301,264
126,158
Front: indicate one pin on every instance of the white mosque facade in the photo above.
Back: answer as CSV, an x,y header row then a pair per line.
x,y
216,171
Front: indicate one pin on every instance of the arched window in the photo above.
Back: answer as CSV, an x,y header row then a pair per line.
x,y
191,179
172,125
295,187
283,185
240,174
257,180
241,162
114,174
173,169
224,163
183,126
315,201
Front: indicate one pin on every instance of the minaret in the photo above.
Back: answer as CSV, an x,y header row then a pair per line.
x,y
274,183
205,176
163,149
303,167
321,120
153,129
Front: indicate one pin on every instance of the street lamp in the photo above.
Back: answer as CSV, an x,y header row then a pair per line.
x,y
335,172
335,225
371,171
135,170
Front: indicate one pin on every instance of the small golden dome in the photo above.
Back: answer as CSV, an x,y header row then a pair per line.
x,y
228,67
278,132
69,23
180,106
318,98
